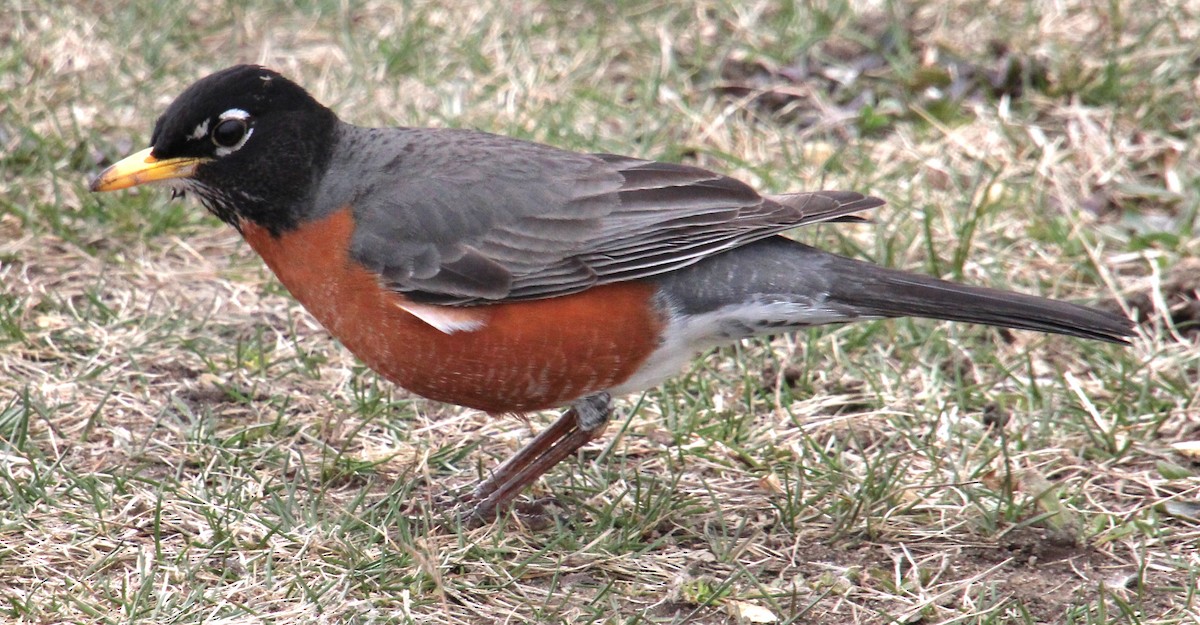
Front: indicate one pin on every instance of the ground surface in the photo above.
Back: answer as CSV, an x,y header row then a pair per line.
x,y
180,443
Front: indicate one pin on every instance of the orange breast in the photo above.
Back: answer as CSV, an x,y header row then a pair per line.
x,y
523,356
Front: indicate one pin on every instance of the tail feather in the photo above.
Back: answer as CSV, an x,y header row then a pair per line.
x,y
816,287
877,291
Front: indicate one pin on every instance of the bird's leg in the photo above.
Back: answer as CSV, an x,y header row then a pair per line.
x,y
584,421
513,465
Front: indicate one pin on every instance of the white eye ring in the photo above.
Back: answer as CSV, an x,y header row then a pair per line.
x,y
235,115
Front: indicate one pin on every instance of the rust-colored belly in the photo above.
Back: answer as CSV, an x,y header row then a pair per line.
x,y
522,356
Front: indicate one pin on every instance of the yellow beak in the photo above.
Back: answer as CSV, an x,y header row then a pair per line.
x,y
141,168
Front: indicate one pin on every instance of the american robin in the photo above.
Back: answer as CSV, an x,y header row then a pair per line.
x,y
509,276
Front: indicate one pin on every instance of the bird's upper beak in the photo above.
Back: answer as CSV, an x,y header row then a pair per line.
x,y
141,168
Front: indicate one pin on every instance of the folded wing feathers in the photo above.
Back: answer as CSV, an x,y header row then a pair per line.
x,y
662,217
671,216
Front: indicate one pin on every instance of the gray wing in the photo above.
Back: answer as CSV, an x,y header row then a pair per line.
x,y
463,218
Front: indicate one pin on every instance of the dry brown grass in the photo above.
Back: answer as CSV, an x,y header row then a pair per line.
x,y
179,442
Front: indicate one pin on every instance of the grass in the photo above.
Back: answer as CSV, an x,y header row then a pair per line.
x,y
180,442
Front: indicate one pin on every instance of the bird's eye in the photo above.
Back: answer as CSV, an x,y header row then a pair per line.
x,y
229,133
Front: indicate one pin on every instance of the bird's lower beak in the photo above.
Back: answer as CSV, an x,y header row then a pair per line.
x,y
141,168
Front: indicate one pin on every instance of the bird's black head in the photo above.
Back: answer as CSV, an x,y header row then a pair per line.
x,y
248,141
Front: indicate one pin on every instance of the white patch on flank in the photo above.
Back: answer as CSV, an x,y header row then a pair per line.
x,y
446,320
683,337
235,114
200,132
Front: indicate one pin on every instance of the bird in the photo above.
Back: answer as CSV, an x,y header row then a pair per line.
x,y
510,276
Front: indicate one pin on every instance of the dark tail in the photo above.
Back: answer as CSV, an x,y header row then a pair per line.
x,y
826,288
883,292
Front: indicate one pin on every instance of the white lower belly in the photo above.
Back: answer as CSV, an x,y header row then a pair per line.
x,y
685,336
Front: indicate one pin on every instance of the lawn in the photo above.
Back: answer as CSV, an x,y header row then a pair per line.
x,y
180,442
